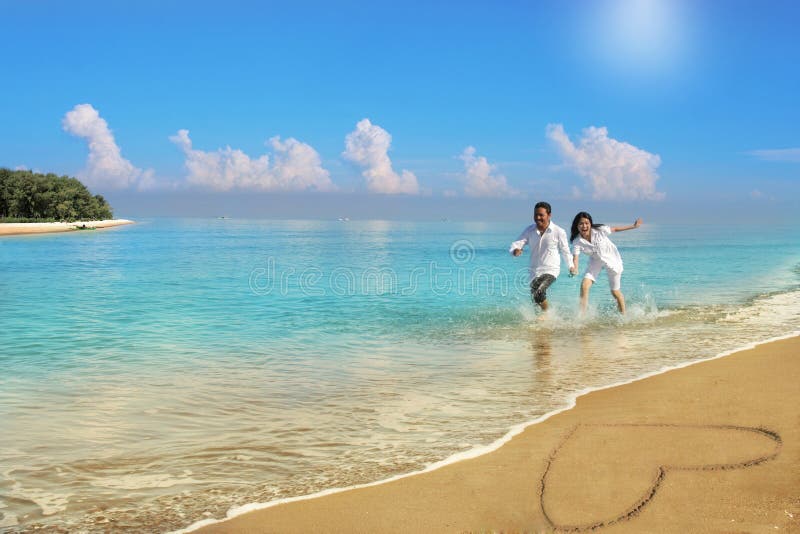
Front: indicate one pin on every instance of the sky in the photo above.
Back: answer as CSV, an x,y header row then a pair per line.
x,y
469,109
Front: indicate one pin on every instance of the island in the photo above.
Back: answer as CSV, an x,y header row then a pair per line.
x,y
32,202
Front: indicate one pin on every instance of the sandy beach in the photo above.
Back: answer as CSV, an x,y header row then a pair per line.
x,y
52,227
711,447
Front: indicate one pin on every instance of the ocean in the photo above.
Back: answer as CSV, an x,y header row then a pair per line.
x,y
163,373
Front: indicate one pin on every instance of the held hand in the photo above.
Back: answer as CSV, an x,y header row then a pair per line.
x,y
573,271
638,223
517,251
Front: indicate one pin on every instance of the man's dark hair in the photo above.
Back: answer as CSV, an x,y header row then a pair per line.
x,y
544,205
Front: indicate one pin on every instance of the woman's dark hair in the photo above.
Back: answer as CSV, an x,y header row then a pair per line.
x,y
574,230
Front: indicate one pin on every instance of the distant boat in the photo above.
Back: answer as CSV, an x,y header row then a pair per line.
x,y
223,217
344,219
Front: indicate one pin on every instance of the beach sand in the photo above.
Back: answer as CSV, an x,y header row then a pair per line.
x,y
46,228
712,447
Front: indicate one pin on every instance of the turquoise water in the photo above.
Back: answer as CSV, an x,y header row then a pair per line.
x,y
157,374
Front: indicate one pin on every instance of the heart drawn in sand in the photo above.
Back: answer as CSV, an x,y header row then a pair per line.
x,y
622,466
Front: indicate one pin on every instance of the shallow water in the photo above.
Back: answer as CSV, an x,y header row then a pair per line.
x,y
157,374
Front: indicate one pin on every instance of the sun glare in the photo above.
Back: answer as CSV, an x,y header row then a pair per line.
x,y
638,38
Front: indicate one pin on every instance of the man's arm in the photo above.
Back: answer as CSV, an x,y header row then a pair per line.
x,y
636,224
563,246
517,246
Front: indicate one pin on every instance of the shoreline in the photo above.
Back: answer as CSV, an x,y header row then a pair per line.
x,y
55,227
294,512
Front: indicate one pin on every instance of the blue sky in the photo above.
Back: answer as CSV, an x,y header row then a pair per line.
x,y
639,106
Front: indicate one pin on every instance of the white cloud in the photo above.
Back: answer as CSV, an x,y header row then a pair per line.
x,y
368,147
105,166
479,177
778,154
759,195
613,169
21,168
296,166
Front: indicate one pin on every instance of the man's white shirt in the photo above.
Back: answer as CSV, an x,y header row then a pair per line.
x,y
545,247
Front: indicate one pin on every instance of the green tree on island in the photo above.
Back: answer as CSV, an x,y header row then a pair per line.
x,y
30,196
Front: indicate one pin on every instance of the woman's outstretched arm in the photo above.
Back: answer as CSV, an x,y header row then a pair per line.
x,y
636,224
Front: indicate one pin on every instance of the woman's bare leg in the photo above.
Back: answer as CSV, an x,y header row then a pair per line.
x,y
585,286
620,300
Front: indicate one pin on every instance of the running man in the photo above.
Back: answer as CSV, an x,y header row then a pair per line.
x,y
546,240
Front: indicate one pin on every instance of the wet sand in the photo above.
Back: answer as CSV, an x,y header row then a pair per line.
x,y
46,228
712,447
